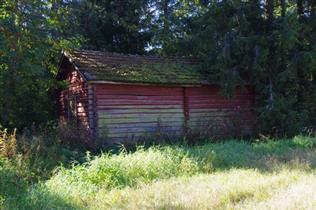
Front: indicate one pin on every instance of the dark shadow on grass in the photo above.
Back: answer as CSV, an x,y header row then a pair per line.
x,y
268,155
16,193
37,200
299,152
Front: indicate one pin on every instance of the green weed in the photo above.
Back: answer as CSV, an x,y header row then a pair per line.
x,y
229,175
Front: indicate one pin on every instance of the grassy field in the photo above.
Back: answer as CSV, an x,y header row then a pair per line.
x,y
232,175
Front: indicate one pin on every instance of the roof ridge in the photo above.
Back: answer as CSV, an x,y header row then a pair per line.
x,y
107,53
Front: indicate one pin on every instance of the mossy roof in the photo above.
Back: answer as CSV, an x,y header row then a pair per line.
x,y
114,67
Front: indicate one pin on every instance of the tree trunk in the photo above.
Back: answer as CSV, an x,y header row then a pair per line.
x,y
283,8
300,8
312,5
166,17
269,8
269,11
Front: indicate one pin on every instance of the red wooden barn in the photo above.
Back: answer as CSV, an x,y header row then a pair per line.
x,y
129,97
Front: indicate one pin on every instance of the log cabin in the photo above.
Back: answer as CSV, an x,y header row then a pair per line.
x,y
126,98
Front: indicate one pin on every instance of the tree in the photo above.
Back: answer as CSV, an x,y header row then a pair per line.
x,y
268,45
26,53
172,24
110,25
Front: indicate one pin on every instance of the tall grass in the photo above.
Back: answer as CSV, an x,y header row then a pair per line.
x,y
34,156
128,169
132,179
229,189
8,144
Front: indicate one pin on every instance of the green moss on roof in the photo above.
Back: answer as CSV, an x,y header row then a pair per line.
x,y
98,66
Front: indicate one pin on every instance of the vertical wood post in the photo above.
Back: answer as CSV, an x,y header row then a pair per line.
x,y
95,113
185,110
91,110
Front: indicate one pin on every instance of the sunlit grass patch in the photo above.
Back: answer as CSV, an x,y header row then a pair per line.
x,y
228,175
236,188
129,169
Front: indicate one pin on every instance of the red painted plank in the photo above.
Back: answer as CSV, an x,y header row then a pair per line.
x,y
138,93
136,107
211,101
141,125
153,123
136,111
137,90
146,135
137,102
135,87
219,106
137,97
216,97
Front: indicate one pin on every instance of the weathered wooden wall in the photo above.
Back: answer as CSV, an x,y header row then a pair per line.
x,y
122,113
77,91
210,114
127,112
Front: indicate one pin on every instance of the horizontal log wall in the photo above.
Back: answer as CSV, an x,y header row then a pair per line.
x,y
128,112
211,114
131,112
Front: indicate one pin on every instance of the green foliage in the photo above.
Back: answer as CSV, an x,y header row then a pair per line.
x,y
109,25
173,26
28,55
27,158
35,154
11,185
267,45
127,169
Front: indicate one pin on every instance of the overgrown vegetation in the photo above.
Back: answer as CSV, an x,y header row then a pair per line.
x,y
30,45
157,176
34,154
268,44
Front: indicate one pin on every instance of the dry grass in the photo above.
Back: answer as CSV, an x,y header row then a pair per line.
x,y
233,189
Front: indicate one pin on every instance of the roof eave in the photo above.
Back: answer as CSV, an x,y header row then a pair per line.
x,y
59,65
66,55
142,83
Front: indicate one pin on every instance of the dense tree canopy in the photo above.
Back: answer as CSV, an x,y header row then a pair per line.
x,y
268,44
29,47
111,25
